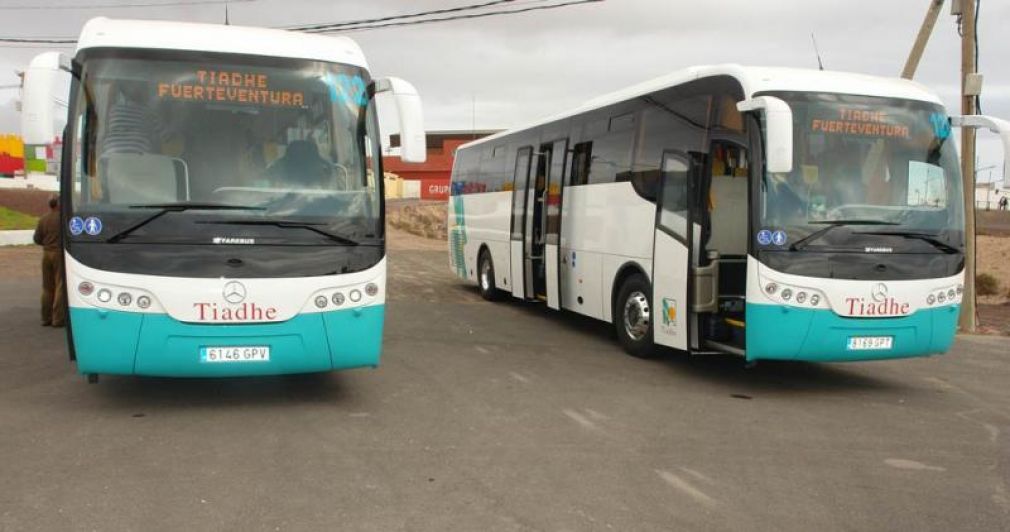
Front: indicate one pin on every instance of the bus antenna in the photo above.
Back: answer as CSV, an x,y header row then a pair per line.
x,y
820,65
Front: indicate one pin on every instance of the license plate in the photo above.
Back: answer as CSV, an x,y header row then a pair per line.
x,y
869,343
241,353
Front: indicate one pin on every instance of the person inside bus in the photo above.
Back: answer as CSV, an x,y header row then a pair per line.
x,y
301,166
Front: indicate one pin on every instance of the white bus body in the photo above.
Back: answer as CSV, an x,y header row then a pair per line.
x,y
221,210
771,213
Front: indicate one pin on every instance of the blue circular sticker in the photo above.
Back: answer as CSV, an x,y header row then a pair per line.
x,y
764,237
779,238
76,225
92,226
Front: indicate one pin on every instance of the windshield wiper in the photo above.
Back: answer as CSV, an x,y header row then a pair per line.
x,y
831,224
925,237
289,224
165,208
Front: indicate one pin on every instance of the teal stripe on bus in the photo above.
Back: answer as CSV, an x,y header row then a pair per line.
x,y
818,335
129,343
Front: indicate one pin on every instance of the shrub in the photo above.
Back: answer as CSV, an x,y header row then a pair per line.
x,y
986,284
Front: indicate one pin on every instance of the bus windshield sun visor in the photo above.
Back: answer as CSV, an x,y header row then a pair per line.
x,y
831,224
290,224
165,208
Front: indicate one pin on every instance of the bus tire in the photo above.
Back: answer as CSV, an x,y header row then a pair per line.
x,y
633,317
485,276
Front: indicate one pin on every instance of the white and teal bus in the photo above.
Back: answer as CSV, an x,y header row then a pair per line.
x,y
221,198
765,212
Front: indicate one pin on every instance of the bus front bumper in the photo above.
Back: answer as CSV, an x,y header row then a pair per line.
x,y
789,333
129,343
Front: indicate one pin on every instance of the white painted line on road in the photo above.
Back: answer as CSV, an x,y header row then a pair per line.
x,y
685,487
482,350
519,377
696,474
581,420
901,463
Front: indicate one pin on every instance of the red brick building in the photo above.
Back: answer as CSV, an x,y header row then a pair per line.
x,y
435,172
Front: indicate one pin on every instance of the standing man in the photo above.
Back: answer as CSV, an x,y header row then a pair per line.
x,y
47,235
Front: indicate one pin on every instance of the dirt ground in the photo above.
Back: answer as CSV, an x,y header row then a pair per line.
x,y
421,218
28,201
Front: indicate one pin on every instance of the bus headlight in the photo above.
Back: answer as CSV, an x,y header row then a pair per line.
x,y
143,302
787,293
338,299
801,297
771,288
85,288
815,299
355,295
930,299
321,301
124,299
105,295
941,297
950,294
371,289
960,289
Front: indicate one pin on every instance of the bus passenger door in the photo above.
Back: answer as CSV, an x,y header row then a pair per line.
x,y
520,186
552,220
671,255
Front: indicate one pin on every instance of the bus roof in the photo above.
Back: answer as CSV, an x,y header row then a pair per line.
x,y
754,80
103,32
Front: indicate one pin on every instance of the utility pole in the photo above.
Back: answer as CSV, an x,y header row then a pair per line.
x,y
967,319
912,63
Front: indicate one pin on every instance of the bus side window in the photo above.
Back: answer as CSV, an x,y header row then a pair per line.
x,y
581,157
673,201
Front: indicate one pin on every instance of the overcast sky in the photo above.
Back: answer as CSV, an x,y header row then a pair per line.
x,y
518,68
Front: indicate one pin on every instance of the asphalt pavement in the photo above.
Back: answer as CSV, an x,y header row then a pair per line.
x,y
503,416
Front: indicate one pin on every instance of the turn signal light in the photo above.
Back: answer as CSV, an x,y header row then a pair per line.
x,y
124,299
143,302
85,288
771,288
338,299
787,293
321,301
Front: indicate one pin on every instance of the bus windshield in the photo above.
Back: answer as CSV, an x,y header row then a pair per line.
x,y
872,168
281,144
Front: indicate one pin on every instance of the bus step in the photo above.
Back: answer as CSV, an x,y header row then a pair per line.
x,y
725,348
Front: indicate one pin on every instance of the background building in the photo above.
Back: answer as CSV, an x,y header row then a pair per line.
x,y
433,174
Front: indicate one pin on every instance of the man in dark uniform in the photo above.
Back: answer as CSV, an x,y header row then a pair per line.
x,y
47,235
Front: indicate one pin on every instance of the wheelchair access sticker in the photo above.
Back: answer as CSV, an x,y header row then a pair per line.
x,y
76,225
764,237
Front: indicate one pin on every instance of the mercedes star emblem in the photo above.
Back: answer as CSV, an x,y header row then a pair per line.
x,y
879,292
234,292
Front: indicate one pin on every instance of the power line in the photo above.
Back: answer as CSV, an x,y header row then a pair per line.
x,y
460,17
365,24
66,7
313,27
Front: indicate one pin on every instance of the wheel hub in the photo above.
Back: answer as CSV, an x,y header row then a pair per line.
x,y
637,316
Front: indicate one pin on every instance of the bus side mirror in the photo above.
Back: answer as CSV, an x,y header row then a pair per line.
x,y
413,148
38,97
778,128
996,125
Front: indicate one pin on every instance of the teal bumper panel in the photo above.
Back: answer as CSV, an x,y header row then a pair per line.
x,y
789,333
125,343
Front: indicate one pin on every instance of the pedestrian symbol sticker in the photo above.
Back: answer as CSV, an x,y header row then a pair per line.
x,y
764,237
92,226
779,238
76,225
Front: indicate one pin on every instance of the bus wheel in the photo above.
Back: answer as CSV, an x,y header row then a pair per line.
x,y
633,317
485,277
